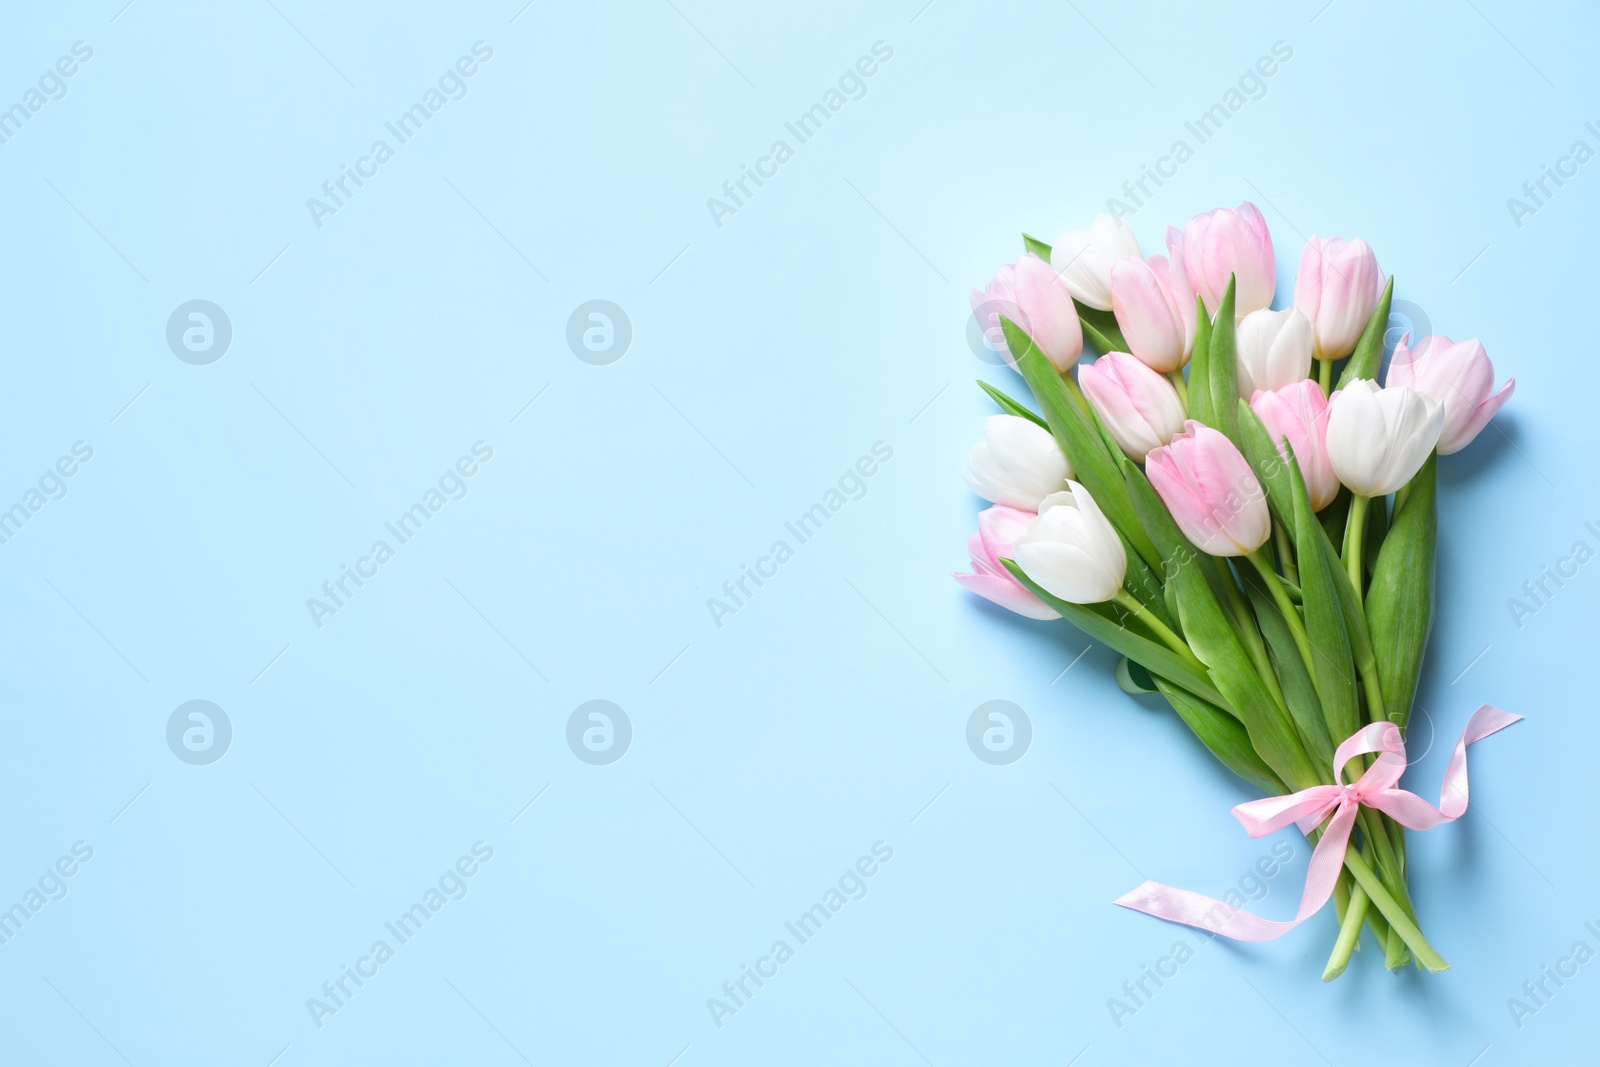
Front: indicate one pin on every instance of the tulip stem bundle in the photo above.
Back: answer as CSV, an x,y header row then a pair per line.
x,y
1109,501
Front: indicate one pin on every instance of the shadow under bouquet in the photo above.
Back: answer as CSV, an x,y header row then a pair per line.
x,y
1256,543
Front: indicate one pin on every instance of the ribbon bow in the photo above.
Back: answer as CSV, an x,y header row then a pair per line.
x,y
1377,788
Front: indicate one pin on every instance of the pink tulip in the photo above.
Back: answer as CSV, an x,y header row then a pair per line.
x,y
1155,309
997,298
1211,492
1223,242
1299,412
1458,375
1138,407
998,528
1339,285
1048,314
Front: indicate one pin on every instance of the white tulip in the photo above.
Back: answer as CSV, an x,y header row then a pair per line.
x,y
1016,464
1274,351
1084,258
1379,438
1071,550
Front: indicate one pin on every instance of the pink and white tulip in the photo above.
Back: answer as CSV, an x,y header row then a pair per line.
x,y
1379,438
1299,413
1459,376
1048,315
1338,287
1155,310
997,298
998,528
1071,550
1218,243
1211,491
1084,258
1016,464
1138,407
1274,350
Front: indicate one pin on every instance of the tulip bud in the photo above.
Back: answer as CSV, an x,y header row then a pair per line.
x,y
1084,258
1274,350
1071,550
1211,491
1299,412
997,298
1459,376
1218,243
1016,464
998,527
1138,407
1379,438
1339,285
1047,312
1155,311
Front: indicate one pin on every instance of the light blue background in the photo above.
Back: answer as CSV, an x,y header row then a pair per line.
x,y
768,354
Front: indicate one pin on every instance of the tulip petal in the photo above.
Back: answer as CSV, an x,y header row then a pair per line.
x,y
1480,418
1004,591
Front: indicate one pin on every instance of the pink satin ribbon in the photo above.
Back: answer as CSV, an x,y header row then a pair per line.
x,y
1309,807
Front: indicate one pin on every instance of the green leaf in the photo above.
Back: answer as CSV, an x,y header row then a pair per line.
x,y
1331,663
1134,679
1222,369
1265,459
1086,452
1010,406
1144,583
1114,634
1164,533
1368,356
1223,736
1193,584
1373,534
1199,368
1400,600
1298,689
1355,620
1037,247
1100,329
1334,516
1212,637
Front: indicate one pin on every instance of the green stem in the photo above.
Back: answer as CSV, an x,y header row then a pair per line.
x,y
1180,386
1397,838
1157,627
1354,534
1325,375
1378,840
1355,915
1398,920
1291,573
1290,615
1373,690
1380,929
1395,955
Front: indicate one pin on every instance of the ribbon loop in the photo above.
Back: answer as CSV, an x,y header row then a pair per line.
x,y
1377,788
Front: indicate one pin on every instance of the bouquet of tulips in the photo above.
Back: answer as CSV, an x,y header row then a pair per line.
x,y
1256,542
